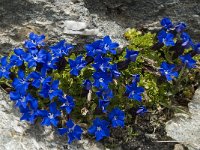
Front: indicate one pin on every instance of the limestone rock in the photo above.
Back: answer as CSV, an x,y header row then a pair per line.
x,y
19,135
185,128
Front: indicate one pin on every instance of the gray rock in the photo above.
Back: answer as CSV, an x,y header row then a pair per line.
x,y
74,25
178,147
185,128
19,135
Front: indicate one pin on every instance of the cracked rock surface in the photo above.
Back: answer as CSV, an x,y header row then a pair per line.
x,y
81,22
19,135
186,128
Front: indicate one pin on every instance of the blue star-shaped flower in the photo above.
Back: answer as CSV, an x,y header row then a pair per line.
x,y
29,115
99,129
131,55
134,92
73,131
102,79
50,61
100,47
196,48
103,104
23,99
67,103
35,56
168,70
61,49
187,59
109,46
166,38
136,78
116,116
51,91
180,27
87,84
166,23
101,63
76,65
40,78
141,110
114,71
51,116
4,68
35,41
105,93
18,58
21,83
187,42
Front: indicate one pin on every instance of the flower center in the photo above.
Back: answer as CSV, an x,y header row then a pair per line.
x,y
99,128
3,69
106,47
51,116
101,80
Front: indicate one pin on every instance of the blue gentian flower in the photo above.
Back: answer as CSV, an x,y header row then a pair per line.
x,y
103,104
134,92
109,46
166,23
101,63
105,93
22,99
35,56
114,71
50,62
87,84
73,131
166,38
51,91
18,58
51,116
180,27
187,42
40,78
4,68
95,49
196,48
116,116
187,59
141,110
131,55
35,41
21,83
67,103
99,129
102,79
168,70
136,78
100,47
76,65
29,115
61,49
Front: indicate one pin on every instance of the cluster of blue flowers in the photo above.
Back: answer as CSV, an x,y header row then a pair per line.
x,y
104,74
175,37
37,94
28,88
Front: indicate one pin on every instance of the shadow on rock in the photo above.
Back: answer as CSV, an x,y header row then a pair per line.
x,y
135,13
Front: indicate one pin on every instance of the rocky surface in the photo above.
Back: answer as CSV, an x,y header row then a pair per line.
x,y
80,22
18,135
185,128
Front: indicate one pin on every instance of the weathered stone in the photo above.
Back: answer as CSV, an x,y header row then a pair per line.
x,y
185,128
178,147
74,25
19,135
